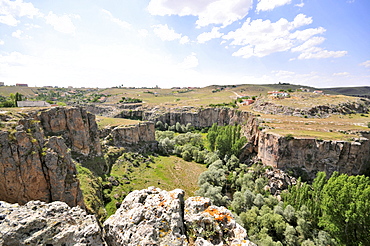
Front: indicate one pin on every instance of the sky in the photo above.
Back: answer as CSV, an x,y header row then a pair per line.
x,y
170,43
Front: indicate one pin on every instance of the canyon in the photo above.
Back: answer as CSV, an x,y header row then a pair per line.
x,y
40,149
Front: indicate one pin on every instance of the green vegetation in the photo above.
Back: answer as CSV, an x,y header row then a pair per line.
x,y
134,172
11,100
226,140
130,100
339,205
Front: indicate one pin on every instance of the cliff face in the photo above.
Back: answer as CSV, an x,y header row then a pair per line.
x,y
75,125
35,160
134,134
345,157
313,155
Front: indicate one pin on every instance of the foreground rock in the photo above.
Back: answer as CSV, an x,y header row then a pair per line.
x,y
157,217
39,223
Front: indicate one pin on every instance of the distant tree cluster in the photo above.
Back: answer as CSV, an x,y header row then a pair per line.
x,y
226,140
130,100
11,100
189,146
180,128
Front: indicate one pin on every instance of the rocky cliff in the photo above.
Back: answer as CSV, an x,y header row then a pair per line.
x,y
314,155
36,161
274,150
133,134
147,217
77,127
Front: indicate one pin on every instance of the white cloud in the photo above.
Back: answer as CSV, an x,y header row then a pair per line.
x,y
2,42
208,12
20,35
61,23
321,53
307,33
167,34
206,36
262,37
300,5
122,24
267,5
143,32
283,74
309,45
365,64
190,61
184,40
11,10
341,74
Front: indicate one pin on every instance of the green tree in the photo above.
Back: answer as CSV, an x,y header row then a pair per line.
x,y
346,209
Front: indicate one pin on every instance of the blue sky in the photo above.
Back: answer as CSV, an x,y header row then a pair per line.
x,y
95,43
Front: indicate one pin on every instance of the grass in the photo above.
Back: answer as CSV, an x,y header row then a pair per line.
x,y
112,122
335,127
164,172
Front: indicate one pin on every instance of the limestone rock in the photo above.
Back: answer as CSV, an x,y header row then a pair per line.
x,y
134,134
211,225
157,217
75,125
314,155
148,217
39,223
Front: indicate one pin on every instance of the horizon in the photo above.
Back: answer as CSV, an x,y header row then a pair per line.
x,y
189,44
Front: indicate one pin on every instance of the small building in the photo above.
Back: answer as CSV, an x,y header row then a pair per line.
x,y
278,94
33,104
24,85
318,92
2,83
246,102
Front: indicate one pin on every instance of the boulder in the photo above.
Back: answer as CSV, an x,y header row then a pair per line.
x,y
40,223
158,217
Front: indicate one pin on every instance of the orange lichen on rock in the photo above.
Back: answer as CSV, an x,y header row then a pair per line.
x,y
218,215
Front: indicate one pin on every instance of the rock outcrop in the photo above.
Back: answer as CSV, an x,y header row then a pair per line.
x,y
39,223
157,217
314,155
35,157
133,134
75,125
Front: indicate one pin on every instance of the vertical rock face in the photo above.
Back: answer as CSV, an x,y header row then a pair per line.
x,y
75,125
129,135
157,217
39,223
35,164
345,157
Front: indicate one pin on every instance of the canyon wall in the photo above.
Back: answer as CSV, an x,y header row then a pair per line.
x,y
36,158
311,154
314,155
133,134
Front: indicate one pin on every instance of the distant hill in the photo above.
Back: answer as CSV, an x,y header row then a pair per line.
x,y
363,91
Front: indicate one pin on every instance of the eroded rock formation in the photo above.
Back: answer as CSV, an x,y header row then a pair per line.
x,y
157,217
314,155
75,125
36,161
39,223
